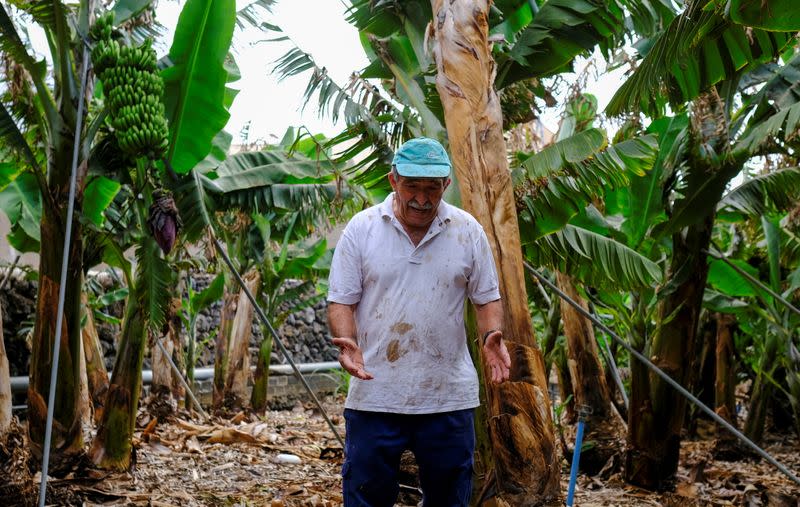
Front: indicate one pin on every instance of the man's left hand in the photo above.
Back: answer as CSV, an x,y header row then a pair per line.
x,y
496,356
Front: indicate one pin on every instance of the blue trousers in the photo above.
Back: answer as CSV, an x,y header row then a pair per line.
x,y
443,445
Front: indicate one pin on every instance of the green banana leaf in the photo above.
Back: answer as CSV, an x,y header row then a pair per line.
x,y
779,189
699,49
560,31
21,202
194,93
645,198
560,180
776,15
594,259
99,193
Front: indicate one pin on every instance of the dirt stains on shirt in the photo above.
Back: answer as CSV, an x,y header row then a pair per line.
x,y
401,328
394,352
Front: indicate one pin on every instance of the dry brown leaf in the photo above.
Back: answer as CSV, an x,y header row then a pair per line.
x,y
193,427
192,445
241,416
229,436
686,489
159,448
151,426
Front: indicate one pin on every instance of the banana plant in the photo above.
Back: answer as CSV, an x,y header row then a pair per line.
x,y
38,132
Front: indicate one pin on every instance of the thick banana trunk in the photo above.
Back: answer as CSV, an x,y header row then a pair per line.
x,y
221,349
525,458
604,426
96,373
239,355
167,388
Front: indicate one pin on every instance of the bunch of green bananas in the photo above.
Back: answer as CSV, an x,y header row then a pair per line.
x,y
133,90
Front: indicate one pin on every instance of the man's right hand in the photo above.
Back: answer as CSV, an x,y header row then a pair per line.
x,y
351,358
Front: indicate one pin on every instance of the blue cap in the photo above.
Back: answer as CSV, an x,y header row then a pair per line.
x,y
422,158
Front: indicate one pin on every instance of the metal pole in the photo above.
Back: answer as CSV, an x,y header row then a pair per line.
x,y
669,380
51,398
262,316
754,280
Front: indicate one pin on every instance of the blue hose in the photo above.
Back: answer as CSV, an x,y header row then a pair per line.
x,y
576,456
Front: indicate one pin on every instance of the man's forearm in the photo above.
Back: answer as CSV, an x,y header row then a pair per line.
x,y
342,320
490,317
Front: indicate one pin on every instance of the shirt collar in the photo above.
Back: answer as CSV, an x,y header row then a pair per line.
x,y
443,212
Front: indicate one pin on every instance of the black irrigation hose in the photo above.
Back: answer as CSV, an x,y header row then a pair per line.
x,y
722,422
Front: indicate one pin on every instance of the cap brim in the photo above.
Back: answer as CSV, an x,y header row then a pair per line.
x,y
423,171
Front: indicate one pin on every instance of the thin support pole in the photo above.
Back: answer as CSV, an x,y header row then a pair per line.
x,y
669,380
758,283
185,384
51,398
262,316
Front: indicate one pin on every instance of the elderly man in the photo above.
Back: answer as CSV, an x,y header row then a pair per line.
x,y
400,275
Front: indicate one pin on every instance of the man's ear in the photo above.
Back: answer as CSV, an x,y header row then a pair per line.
x,y
447,183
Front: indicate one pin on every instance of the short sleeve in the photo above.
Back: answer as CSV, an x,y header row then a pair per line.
x,y
483,286
344,279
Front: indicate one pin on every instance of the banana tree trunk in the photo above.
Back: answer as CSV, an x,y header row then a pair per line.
x,y
111,448
657,410
604,426
5,383
96,373
762,390
239,356
166,388
525,457
221,347
66,429
725,383
258,398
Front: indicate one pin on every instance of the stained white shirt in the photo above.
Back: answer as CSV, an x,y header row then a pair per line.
x,y
410,307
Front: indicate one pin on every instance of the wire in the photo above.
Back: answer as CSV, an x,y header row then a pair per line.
x,y
655,369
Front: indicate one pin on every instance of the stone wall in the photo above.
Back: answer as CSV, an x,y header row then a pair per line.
x,y
305,333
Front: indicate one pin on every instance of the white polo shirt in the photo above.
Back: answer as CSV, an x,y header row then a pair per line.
x,y
410,313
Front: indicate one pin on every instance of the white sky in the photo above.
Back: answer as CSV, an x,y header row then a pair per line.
x,y
319,28
271,106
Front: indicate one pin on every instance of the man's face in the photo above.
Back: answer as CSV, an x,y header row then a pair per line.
x,y
417,199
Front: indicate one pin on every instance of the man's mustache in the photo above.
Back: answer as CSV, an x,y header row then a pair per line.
x,y
420,207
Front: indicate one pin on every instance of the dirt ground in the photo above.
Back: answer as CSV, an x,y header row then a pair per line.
x,y
291,458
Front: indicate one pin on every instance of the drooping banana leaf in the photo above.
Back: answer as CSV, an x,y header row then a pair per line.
x,y
12,138
776,15
560,31
272,181
557,183
195,83
779,190
594,259
700,48
785,121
